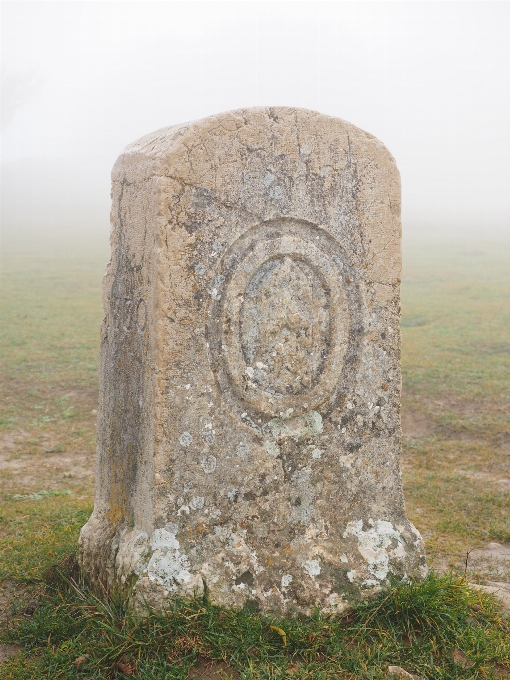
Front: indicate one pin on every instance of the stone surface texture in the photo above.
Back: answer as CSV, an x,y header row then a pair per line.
x,y
249,425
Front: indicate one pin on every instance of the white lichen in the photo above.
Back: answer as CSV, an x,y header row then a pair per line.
x,y
373,544
232,494
185,439
167,565
242,450
369,583
276,192
197,502
312,567
271,448
209,464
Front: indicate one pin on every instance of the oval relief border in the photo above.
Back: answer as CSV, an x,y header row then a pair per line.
x,y
283,333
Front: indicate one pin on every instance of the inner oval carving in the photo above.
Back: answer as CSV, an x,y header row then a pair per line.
x,y
285,325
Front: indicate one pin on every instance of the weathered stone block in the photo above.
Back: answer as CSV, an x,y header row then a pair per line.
x,y
249,426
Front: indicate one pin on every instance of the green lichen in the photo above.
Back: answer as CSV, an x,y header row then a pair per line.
x,y
307,425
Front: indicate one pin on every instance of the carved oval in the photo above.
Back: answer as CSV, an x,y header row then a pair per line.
x,y
284,326
281,321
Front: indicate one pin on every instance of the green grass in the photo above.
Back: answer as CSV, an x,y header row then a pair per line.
x,y
49,327
34,534
49,334
462,512
456,372
456,330
456,377
437,629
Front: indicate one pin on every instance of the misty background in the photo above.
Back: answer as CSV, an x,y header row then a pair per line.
x,y
81,80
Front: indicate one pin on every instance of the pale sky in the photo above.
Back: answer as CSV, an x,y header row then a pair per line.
x,y
81,80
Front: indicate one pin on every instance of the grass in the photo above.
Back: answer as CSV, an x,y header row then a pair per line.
x,y
36,533
455,321
456,373
50,315
456,470
438,629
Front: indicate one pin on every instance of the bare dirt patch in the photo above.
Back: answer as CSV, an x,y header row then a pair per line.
x,y
492,559
17,599
456,472
10,441
500,590
415,425
502,482
55,446
31,472
7,651
460,417
8,592
205,669
23,597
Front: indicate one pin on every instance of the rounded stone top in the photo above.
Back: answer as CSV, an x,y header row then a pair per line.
x,y
266,163
260,120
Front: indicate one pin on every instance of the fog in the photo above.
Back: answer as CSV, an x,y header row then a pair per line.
x,y
80,80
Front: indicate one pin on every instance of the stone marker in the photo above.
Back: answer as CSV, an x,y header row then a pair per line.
x,y
249,425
